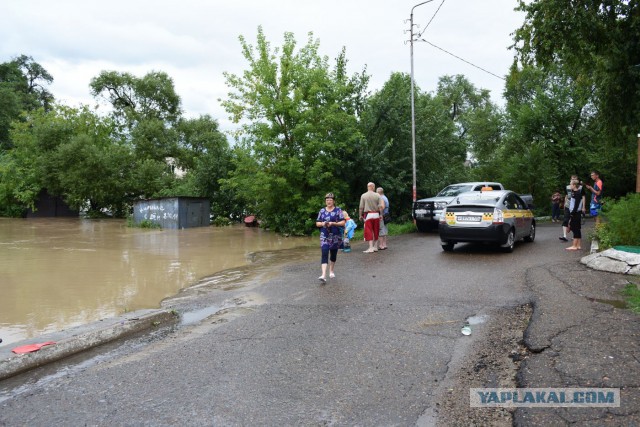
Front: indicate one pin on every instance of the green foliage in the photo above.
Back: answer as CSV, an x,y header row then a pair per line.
x,y
146,109
595,44
602,233
300,124
458,120
622,221
145,223
22,89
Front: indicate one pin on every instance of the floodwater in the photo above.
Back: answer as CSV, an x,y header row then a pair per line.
x,y
57,273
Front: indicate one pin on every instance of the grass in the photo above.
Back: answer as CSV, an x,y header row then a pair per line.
x,y
632,294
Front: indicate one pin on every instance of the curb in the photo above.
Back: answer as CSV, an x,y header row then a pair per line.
x,y
81,338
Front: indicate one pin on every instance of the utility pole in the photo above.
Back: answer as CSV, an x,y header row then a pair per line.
x,y
413,108
638,168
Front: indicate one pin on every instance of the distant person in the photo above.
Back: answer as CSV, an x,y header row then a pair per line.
x,y
330,221
369,211
576,206
556,199
383,224
567,210
596,195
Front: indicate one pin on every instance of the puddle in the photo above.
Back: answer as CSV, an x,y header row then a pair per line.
x,y
476,320
191,317
612,302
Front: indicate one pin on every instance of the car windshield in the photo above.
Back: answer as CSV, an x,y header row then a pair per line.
x,y
454,190
484,198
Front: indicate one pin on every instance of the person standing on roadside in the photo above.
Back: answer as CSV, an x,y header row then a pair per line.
x,y
596,195
383,225
576,206
369,210
556,198
330,222
567,210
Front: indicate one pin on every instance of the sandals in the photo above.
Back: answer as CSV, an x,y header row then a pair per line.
x,y
322,279
332,276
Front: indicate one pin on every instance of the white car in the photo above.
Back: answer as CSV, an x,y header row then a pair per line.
x,y
427,213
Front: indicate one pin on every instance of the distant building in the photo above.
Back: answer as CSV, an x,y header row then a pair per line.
x,y
173,212
47,206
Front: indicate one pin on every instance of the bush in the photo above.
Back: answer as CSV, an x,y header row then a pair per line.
x,y
145,223
622,226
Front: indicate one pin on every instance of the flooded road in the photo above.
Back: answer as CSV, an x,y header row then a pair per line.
x,y
58,273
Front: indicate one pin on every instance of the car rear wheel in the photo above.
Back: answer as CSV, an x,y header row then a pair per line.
x,y
532,233
447,246
511,241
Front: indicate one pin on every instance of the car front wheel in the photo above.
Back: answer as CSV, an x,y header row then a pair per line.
x,y
423,226
447,246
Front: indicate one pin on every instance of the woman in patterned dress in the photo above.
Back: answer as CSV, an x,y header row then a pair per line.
x,y
330,221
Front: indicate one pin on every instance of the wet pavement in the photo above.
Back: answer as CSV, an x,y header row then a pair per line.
x,y
379,345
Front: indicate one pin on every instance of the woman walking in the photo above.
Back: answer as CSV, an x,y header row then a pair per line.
x,y
330,221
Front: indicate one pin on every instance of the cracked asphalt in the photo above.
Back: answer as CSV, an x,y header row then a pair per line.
x,y
380,345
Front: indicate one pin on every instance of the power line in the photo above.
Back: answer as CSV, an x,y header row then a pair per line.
x,y
463,60
429,23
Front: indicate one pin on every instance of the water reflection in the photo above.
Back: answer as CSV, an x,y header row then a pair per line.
x,y
56,273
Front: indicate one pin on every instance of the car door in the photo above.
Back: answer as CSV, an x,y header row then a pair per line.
x,y
526,215
514,213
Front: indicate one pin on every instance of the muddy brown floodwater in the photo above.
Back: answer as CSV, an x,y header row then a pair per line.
x,y
57,273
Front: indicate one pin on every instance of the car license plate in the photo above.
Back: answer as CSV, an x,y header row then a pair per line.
x,y
468,218
421,211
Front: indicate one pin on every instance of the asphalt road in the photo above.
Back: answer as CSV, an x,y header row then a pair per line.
x,y
375,346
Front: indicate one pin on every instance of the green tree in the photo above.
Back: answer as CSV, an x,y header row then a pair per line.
x,y
205,155
552,112
71,153
385,154
22,88
299,124
595,43
147,110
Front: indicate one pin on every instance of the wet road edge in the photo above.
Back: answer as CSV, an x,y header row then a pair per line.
x,y
75,340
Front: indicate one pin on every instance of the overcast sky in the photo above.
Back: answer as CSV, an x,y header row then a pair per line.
x,y
195,41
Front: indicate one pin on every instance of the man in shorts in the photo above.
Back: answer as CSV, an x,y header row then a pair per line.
x,y
370,209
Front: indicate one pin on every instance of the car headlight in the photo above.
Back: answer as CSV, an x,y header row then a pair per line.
x,y
440,205
443,216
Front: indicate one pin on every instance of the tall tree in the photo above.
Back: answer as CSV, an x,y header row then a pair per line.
x,y
299,124
71,153
22,88
147,109
205,156
596,42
